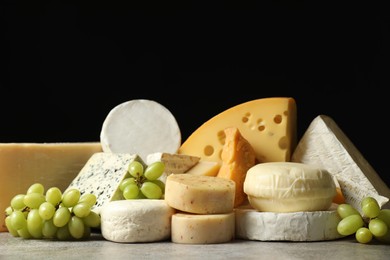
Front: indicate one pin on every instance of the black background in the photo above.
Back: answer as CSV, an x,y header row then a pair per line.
x,y
66,65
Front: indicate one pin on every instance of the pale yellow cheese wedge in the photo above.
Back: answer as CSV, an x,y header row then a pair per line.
x,y
202,229
52,164
269,125
206,168
199,194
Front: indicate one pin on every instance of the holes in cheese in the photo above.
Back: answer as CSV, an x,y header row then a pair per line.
x,y
238,157
199,194
269,125
202,229
289,187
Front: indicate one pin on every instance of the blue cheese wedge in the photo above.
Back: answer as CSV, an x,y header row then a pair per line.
x,y
325,145
102,175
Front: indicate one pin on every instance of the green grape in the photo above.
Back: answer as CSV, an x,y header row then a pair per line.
x,y
345,210
81,209
70,197
63,233
136,169
23,233
34,200
18,220
377,227
88,198
384,239
363,235
161,184
141,196
8,210
36,188
154,170
17,202
76,227
151,190
131,191
92,220
10,228
34,223
49,230
349,225
61,217
126,182
53,195
384,215
370,207
46,210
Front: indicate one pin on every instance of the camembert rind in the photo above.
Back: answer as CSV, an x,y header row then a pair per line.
x,y
325,145
292,226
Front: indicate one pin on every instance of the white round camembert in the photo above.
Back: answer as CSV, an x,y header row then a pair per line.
x,y
289,187
131,221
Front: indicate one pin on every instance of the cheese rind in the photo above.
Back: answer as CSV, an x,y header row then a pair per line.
x,y
102,175
269,124
51,164
202,229
132,221
325,145
289,187
200,194
292,226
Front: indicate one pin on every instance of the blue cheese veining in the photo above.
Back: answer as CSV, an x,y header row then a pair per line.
x,y
102,175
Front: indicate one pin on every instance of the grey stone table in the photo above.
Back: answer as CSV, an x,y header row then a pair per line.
x,y
96,247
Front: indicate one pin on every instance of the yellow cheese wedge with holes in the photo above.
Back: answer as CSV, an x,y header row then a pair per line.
x,y
269,125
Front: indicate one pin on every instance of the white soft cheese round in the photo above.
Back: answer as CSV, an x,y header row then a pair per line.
x,y
289,187
142,127
143,220
292,226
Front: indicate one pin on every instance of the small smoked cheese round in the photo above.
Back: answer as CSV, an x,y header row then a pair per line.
x,y
200,194
289,187
202,228
138,220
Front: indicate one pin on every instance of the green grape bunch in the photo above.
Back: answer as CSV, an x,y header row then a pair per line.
x,y
374,222
143,183
51,215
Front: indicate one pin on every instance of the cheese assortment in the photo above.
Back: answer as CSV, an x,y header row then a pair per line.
x,y
203,229
319,225
102,175
242,175
325,145
269,124
52,164
133,221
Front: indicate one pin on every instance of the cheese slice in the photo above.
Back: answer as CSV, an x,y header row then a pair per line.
x,y
52,164
200,194
269,125
174,163
102,175
288,226
202,229
206,168
238,157
325,145
132,221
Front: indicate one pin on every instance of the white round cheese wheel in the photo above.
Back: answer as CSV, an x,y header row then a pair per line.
x,y
199,194
140,127
292,226
202,229
143,220
289,187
